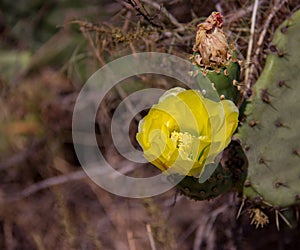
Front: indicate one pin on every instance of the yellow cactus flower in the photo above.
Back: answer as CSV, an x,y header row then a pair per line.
x,y
186,131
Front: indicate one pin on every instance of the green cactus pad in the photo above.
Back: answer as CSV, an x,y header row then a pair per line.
x,y
222,81
271,134
231,171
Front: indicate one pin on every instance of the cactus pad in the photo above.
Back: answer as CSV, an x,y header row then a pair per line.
x,y
270,133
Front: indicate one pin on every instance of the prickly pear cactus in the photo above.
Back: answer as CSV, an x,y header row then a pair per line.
x,y
216,71
271,134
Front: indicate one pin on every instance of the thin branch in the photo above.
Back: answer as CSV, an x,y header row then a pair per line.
x,y
61,179
150,237
144,13
130,240
172,19
250,44
261,38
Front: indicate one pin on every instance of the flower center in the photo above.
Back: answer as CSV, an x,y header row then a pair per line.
x,y
184,143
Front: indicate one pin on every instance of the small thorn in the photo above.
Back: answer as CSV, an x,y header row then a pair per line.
x,y
218,71
265,97
274,50
278,123
219,176
280,184
282,83
277,219
258,199
248,93
210,179
187,190
284,29
203,194
235,83
263,161
296,152
213,86
285,219
253,123
247,183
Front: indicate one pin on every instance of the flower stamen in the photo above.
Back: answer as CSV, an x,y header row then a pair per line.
x,y
184,143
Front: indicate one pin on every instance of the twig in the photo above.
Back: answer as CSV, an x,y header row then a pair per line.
x,y
144,13
57,180
150,237
172,19
263,34
238,14
205,228
250,44
130,240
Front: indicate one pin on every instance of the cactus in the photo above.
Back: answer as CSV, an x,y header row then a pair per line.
x,y
270,134
216,72
230,173
216,67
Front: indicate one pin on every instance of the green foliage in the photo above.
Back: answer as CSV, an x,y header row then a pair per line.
x,y
270,134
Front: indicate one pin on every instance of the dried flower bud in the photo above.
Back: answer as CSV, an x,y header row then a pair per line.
x,y
211,43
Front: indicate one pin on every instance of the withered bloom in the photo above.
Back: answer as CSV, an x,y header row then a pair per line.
x,y
211,46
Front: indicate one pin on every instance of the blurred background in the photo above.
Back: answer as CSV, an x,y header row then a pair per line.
x,y
48,50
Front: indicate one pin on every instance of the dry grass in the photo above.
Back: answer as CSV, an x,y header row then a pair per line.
x,y
46,200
